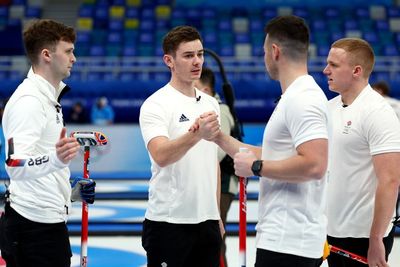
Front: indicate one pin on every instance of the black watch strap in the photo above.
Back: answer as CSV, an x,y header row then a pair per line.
x,y
256,167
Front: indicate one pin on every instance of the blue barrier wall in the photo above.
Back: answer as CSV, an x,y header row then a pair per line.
x,y
125,156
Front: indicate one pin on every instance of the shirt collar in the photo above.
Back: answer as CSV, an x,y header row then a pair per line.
x,y
46,88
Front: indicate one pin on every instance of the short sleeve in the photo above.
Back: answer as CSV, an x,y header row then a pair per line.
x,y
153,120
307,119
382,130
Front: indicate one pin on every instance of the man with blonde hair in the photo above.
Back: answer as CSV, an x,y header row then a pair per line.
x,y
364,170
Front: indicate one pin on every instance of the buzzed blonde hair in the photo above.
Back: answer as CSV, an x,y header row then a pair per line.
x,y
360,51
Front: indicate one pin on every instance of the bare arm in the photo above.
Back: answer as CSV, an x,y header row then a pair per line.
x,y
309,163
231,145
226,124
387,169
165,151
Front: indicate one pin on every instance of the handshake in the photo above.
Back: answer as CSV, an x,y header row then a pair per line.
x,y
207,126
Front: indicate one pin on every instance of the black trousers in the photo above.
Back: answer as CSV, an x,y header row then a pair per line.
x,y
25,243
357,246
182,245
267,258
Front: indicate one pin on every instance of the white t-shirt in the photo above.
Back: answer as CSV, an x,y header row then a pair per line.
x,y
291,215
184,191
367,127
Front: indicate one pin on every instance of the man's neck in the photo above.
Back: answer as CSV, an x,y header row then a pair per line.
x,y
186,88
289,73
349,95
47,76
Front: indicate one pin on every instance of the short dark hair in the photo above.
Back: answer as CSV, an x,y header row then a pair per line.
x,y
290,32
382,86
207,77
178,35
45,33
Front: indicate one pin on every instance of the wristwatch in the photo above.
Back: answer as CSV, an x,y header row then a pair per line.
x,y
256,167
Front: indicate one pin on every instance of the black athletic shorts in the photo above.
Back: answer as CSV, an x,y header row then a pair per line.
x,y
25,243
267,258
357,246
182,245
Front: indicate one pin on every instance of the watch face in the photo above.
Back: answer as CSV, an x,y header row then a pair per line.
x,y
256,167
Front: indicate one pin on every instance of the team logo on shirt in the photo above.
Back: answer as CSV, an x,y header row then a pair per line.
x,y
58,109
183,118
347,128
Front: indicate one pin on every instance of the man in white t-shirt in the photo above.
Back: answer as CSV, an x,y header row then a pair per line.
x,y
182,221
364,170
293,159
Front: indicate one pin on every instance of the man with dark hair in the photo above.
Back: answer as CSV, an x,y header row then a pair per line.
x,y
206,83
78,114
33,229
229,181
182,222
293,159
383,89
364,172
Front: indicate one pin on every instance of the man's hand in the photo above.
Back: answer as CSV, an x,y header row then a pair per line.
x,y
243,162
376,253
221,228
66,147
195,126
207,126
83,190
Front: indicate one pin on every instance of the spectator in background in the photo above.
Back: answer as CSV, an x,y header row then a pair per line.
x,y
384,89
102,112
364,170
78,114
229,181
